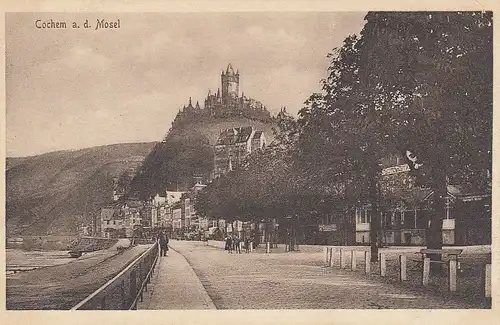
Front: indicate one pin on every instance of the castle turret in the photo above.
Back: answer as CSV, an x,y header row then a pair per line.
x,y
230,85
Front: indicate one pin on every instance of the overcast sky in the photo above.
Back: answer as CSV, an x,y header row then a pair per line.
x,y
76,88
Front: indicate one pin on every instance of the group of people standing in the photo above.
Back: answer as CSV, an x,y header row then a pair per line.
x,y
233,244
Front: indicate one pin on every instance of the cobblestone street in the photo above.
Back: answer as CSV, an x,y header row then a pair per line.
x,y
298,281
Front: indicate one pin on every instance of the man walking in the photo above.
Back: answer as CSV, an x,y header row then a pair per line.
x,y
163,241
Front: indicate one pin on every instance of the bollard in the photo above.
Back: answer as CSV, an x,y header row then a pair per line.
x,y
402,268
452,276
426,271
331,256
341,258
326,249
382,264
367,262
487,281
267,247
353,260
251,247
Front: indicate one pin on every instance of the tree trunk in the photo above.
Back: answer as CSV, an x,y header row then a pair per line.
x,y
375,220
435,238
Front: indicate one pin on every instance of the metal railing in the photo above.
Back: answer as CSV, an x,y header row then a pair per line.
x,y
125,290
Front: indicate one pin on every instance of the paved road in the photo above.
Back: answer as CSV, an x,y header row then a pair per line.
x,y
297,281
63,286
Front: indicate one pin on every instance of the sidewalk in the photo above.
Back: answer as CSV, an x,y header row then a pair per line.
x,y
176,286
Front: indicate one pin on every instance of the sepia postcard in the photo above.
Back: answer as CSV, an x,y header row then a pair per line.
x,y
249,162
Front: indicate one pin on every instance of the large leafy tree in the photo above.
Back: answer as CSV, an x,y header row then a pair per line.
x,y
343,137
430,74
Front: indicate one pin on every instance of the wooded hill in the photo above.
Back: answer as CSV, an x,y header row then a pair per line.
x,y
54,193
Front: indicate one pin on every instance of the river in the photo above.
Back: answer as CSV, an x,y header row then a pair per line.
x,y
19,259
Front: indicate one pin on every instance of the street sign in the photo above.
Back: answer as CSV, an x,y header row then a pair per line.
x,y
330,227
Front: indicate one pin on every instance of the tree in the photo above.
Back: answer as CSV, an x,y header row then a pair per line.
x,y
343,132
430,74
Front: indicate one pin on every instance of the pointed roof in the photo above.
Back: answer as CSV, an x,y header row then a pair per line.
x,y
229,70
197,105
190,104
218,92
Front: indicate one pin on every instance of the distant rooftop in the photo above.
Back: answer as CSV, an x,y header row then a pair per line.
x,y
234,135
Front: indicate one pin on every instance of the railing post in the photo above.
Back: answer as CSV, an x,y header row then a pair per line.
x,y
452,276
487,281
353,260
327,253
330,256
133,286
402,268
367,262
341,258
267,247
124,300
426,271
382,263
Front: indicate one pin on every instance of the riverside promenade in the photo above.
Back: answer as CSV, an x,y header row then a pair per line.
x,y
175,286
198,276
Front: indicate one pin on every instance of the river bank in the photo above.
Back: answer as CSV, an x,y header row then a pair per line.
x,y
62,286
44,243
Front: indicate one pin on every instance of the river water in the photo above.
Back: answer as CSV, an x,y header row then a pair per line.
x,y
21,258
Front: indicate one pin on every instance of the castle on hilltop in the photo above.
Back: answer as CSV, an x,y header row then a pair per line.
x,y
225,103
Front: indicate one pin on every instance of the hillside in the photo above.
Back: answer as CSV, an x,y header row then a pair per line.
x,y
186,151
56,192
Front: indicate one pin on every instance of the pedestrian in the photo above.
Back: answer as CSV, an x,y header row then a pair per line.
x,y
163,241
237,245
229,244
247,245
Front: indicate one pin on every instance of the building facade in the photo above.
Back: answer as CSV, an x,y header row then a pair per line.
x,y
405,211
233,146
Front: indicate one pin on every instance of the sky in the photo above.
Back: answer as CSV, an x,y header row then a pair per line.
x,y
77,88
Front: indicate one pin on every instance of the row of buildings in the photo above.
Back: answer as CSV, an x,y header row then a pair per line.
x,y
174,210
405,213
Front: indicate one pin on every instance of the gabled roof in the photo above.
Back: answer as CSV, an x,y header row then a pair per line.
x,y
234,135
173,197
107,213
134,204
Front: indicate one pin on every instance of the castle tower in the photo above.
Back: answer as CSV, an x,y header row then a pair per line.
x,y
230,85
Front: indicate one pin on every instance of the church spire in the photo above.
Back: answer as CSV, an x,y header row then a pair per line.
x,y
218,92
197,105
